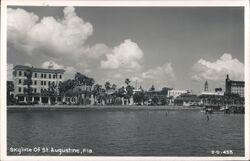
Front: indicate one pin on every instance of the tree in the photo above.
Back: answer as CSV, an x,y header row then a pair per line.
x,y
114,86
52,91
127,81
28,81
138,97
10,88
82,79
155,100
96,91
90,82
129,93
163,100
107,85
66,86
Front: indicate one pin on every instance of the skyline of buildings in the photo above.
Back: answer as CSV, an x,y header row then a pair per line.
x,y
184,47
42,79
230,85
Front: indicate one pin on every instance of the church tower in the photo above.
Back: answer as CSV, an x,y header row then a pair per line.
x,y
206,86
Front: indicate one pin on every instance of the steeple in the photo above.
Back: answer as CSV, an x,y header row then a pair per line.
x,y
206,86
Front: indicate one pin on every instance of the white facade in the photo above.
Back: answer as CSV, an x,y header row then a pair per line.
x,y
41,79
176,93
212,93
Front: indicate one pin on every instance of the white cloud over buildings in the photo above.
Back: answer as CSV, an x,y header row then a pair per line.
x,y
163,72
126,56
217,70
64,40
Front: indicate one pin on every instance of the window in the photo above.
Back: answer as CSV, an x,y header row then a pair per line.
x,y
44,75
20,73
44,83
49,75
41,75
35,75
20,81
60,76
35,82
54,76
19,89
41,83
34,90
49,83
25,73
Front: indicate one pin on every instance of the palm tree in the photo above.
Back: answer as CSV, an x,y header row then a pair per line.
x,y
127,81
82,79
129,93
107,85
66,88
96,91
114,86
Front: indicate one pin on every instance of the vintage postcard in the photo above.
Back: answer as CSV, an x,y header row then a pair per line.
x,y
125,80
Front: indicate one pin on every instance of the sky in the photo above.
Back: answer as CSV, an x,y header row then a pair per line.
x,y
172,47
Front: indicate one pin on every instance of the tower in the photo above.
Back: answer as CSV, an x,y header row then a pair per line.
x,y
206,86
227,85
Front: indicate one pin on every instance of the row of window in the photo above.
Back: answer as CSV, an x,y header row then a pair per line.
x,y
21,90
35,90
42,83
43,75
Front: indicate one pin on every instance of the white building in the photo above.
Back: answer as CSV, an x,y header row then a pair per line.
x,y
173,94
176,93
41,79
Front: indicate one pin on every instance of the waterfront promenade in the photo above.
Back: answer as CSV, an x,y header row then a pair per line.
x,y
87,107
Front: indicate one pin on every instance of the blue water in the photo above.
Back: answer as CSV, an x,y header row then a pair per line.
x,y
127,133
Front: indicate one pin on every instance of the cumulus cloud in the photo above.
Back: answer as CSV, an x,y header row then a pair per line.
x,y
117,75
97,50
165,71
226,64
64,40
125,56
138,79
54,37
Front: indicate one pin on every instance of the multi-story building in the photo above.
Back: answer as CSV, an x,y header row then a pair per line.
x,y
41,80
236,87
173,94
176,93
187,100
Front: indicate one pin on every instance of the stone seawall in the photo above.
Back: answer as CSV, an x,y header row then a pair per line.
x,y
89,107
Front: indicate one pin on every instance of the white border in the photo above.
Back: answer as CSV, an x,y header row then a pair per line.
x,y
3,140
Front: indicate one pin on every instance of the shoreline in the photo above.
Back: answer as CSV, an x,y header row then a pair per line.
x,y
94,107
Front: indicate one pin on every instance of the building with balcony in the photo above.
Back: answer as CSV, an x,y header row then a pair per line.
x,y
42,79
